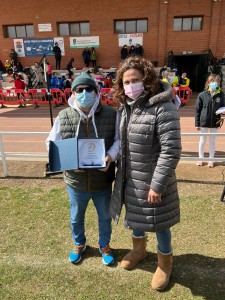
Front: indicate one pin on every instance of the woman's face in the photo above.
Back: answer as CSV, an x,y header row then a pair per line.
x,y
132,76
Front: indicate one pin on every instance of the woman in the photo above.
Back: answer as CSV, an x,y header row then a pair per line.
x,y
38,71
150,151
93,57
206,120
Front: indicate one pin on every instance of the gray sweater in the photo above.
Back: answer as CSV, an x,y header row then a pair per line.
x,y
150,151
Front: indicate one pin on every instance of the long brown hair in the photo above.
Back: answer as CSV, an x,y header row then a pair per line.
x,y
145,67
211,77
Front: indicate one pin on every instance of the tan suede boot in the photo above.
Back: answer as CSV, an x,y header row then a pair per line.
x,y
137,254
161,277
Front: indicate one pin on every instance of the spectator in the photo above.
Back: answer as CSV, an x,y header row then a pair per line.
x,y
150,151
164,68
2,69
206,120
69,67
86,57
108,81
139,50
58,56
124,52
165,76
91,120
8,66
173,78
132,50
38,71
49,71
67,82
185,81
20,85
14,56
19,67
93,57
56,82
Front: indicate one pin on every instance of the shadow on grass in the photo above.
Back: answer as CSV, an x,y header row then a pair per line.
x,y
202,275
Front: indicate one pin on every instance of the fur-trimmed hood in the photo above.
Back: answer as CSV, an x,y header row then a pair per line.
x,y
166,94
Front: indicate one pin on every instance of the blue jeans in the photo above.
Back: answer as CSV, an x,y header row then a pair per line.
x,y
78,205
163,239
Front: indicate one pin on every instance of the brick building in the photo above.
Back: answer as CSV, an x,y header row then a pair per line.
x,y
187,28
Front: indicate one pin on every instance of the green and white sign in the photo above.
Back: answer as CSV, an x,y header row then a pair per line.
x,y
84,42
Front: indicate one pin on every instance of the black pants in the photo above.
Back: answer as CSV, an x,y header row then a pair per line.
x,y
57,63
93,63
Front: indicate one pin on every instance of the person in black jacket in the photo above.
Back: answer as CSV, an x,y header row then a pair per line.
x,y
206,119
139,50
124,52
57,52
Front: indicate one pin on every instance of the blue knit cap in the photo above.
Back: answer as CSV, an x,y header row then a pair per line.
x,y
85,79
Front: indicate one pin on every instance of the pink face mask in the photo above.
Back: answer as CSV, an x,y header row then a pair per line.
x,y
134,90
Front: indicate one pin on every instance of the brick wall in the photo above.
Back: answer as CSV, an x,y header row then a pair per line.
x,y
101,14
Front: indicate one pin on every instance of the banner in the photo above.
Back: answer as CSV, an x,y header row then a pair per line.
x,y
38,47
19,47
130,39
84,42
60,42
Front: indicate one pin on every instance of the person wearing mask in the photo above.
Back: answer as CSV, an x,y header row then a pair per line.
x,y
206,119
124,52
132,50
139,50
58,56
185,81
56,82
87,118
173,79
150,151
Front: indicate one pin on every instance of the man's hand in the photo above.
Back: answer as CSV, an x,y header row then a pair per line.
x,y
154,197
108,160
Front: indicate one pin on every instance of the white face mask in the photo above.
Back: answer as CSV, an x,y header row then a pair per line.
x,y
134,90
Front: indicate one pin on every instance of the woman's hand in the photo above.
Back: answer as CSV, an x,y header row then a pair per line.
x,y
154,197
108,160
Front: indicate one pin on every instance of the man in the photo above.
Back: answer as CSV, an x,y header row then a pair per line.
x,y
57,52
87,118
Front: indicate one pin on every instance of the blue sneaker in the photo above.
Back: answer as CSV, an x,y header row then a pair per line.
x,y
107,255
75,255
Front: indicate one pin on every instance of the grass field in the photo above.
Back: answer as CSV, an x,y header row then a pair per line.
x,y
35,242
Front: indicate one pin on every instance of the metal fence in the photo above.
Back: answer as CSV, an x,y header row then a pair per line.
x,y
4,155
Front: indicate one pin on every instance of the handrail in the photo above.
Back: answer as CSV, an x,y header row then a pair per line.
x,y
4,155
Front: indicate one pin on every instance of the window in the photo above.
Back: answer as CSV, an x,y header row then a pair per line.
x,y
187,23
15,31
79,28
130,26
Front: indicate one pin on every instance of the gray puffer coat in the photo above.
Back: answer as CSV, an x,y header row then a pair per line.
x,y
150,151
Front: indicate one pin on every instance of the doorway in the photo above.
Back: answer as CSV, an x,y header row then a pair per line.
x,y
196,67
